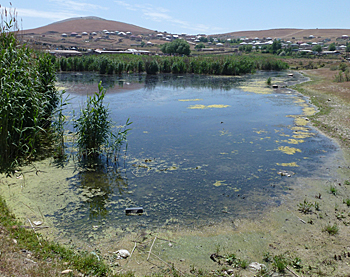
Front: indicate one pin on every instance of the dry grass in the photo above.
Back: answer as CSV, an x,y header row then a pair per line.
x,y
20,262
333,100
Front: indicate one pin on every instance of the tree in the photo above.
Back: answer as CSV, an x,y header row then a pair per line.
x,y
317,48
199,46
178,46
276,45
332,47
347,48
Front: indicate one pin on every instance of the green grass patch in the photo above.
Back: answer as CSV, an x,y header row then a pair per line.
x,y
84,262
331,229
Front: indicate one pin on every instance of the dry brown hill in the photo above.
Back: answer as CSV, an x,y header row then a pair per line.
x,y
88,24
290,33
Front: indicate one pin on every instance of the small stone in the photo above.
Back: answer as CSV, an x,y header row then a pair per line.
x,y
66,271
122,254
14,241
256,266
170,244
182,260
230,271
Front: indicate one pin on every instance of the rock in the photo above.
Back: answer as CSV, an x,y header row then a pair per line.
x,y
122,254
256,266
37,223
66,271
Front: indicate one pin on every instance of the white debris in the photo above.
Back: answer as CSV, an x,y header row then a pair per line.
x,y
66,271
256,266
122,254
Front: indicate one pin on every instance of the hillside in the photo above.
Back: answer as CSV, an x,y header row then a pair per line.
x,y
290,33
87,24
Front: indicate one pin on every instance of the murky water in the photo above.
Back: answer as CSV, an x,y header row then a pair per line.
x,y
202,149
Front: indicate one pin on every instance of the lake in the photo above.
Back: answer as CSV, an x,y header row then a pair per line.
x,y
202,150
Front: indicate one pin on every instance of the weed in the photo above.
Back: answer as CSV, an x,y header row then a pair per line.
x,y
333,190
280,263
296,263
331,229
305,207
244,264
340,216
347,182
217,249
268,82
267,257
317,206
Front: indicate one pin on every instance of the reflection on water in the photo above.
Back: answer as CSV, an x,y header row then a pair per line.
x,y
202,149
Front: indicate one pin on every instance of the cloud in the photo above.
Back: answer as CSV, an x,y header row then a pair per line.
x,y
44,14
77,6
160,14
63,9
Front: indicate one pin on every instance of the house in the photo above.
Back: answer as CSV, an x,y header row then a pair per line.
x,y
65,53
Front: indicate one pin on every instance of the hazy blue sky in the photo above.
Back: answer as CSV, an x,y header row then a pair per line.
x,y
193,17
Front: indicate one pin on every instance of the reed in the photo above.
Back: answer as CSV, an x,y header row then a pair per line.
x,y
215,65
28,98
94,129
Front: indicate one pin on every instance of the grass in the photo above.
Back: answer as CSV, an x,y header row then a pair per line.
x,y
347,202
43,250
331,229
280,263
305,207
333,190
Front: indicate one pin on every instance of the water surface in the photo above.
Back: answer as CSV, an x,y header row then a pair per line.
x,y
202,149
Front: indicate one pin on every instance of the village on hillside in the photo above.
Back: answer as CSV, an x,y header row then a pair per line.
x,y
125,42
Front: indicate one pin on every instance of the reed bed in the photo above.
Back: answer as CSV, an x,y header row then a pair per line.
x,y
212,65
28,98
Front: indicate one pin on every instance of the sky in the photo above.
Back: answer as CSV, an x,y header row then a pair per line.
x,y
191,16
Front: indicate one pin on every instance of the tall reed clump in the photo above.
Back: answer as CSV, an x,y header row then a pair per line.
x,y
94,130
27,97
215,65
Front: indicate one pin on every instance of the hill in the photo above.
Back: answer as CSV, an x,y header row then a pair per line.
x,y
87,24
290,33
